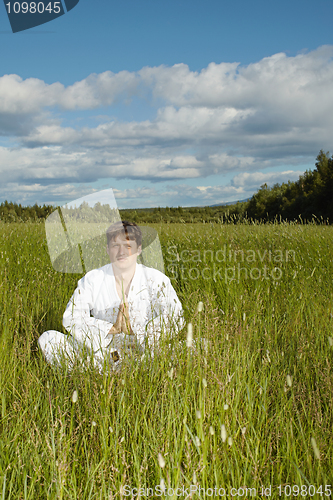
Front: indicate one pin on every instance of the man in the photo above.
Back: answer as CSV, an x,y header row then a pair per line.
x,y
120,307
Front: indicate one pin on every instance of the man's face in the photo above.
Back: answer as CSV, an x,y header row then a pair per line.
x,y
123,253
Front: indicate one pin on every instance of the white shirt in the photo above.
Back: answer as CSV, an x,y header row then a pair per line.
x,y
93,308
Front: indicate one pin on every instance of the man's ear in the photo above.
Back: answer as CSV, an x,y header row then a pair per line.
x,y
139,249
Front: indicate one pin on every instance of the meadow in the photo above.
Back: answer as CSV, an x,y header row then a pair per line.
x,y
248,414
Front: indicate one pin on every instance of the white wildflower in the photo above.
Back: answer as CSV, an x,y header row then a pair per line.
x,y
223,433
161,461
205,343
74,397
189,338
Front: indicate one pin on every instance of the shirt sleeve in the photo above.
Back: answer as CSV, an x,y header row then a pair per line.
x,y
78,321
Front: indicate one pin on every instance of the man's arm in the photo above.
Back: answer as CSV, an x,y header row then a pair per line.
x,y
78,321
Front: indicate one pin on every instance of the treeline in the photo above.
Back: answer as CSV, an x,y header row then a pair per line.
x,y
13,212
309,199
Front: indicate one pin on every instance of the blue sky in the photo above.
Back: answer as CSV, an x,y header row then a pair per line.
x,y
168,103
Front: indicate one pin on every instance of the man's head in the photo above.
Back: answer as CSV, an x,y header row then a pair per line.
x,y
124,244
124,228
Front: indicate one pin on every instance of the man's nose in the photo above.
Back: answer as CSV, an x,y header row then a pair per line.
x,y
123,250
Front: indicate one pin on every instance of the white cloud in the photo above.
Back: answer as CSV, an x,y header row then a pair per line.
x,y
226,118
32,95
256,179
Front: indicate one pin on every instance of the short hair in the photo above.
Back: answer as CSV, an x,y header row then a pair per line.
x,y
124,227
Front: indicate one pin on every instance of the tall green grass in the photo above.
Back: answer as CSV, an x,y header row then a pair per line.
x,y
266,375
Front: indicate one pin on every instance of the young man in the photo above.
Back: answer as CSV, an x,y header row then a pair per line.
x,y
117,308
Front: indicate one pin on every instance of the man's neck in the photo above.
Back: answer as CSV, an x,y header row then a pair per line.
x,y
125,277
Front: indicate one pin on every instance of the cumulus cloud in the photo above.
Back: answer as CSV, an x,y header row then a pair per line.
x,y
225,118
254,179
32,95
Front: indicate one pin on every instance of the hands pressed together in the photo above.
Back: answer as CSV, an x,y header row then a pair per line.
x,y
122,324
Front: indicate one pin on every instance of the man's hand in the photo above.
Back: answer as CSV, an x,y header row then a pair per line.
x,y
116,328
122,323
125,324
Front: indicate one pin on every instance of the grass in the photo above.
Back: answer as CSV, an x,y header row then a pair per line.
x,y
260,329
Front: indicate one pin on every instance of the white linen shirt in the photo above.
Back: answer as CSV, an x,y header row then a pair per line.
x,y
93,308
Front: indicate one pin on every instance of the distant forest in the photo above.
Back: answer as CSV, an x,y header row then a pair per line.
x,y
309,199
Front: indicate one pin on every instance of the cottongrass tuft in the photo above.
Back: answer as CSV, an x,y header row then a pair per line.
x,y
223,433
93,423
330,341
289,381
162,484
230,441
211,430
197,441
161,461
194,478
189,338
315,448
74,397
204,382
170,373
225,407
200,306
198,413
243,430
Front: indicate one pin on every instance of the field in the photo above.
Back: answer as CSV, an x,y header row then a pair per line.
x,y
252,408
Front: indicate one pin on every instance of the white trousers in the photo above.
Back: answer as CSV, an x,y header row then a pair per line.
x,y
63,350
